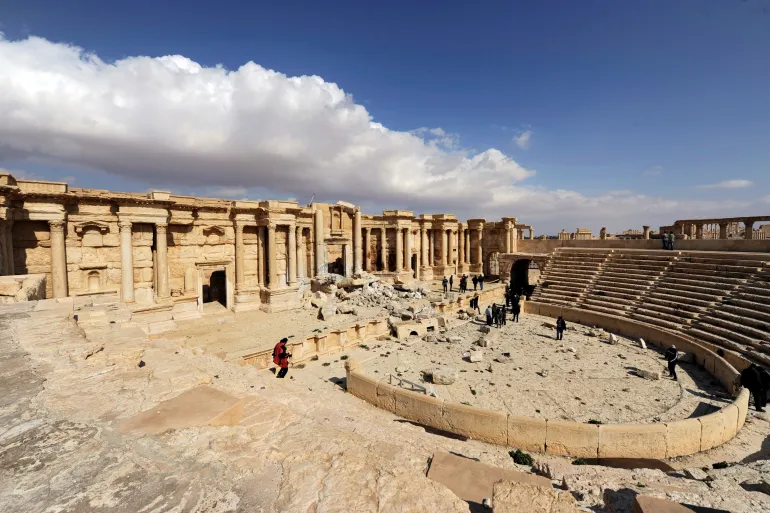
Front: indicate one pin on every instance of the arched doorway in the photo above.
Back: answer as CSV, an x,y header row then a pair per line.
x,y
94,281
525,274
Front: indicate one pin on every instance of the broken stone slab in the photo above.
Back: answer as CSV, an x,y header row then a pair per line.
x,y
485,329
347,309
441,375
431,338
455,339
544,373
648,374
613,340
504,359
510,496
328,311
548,325
476,356
647,504
593,333
695,473
642,343
317,303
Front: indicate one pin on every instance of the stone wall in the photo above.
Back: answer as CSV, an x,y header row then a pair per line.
x,y
28,287
550,245
659,440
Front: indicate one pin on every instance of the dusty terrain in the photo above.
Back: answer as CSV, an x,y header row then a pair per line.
x,y
304,445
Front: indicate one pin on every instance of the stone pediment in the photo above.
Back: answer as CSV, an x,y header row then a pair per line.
x,y
99,225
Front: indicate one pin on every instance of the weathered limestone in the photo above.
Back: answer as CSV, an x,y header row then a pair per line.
x,y
384,249
357,250
272,263
444,248
291,254
7,235
367,246
408,249
162,258
320,248
126,262
399,250
240,271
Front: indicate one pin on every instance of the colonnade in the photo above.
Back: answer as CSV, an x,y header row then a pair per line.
x,y
719,229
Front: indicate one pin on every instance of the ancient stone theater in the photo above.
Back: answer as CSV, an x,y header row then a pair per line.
x,y
427,367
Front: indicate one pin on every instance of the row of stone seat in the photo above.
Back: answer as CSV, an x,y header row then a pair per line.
x,y
569,273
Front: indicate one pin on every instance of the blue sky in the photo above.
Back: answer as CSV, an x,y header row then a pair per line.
x,y
653,98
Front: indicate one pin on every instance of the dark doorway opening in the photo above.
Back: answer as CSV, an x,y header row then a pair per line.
x,y
520,276
414,266
216,290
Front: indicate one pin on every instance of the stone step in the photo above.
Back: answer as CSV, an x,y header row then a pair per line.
x,y
641,266
567,276
677,269
709,325
657,319
673,311
619,296
748,327
675,276
627,278
718,267
754,298
614,305
603,309
564,287
754,289
675,304
685,296
747,313
699,332
702,288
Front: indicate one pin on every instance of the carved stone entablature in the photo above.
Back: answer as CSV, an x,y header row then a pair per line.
x,y
99,225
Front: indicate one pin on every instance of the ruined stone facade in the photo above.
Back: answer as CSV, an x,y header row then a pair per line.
x,y
159,248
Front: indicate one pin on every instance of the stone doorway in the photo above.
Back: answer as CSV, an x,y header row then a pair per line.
x,y
216,290
414,266
215,283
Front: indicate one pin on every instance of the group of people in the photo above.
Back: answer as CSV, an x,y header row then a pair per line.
x,y
448,283
668,240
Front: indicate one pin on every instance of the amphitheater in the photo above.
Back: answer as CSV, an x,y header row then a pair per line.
x,y
137,375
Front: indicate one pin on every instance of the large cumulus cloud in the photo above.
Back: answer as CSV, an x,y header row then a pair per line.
x,y
169,120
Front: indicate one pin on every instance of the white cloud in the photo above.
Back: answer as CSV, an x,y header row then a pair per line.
x,y
728,184
523,140
653,171
170,122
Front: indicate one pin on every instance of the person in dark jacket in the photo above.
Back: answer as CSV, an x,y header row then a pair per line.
x,y
481,281
445,284
516,311
475,281
281,357
561,325
751,378
672,357
489,314
451,282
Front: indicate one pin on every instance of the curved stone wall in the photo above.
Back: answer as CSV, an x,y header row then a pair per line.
x,y
659,440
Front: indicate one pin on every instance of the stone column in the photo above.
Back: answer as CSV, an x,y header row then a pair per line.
x,y
699,231
10,268
681,228
357,242
58,259
646,233
161,248
749,225
260,256
384,249
320,250
722,230
301,256
367,249
460,245
126,262
423,247
444,245
408,249
291,256
272,266
467,235
240,272
478,247
399,249
450,248
431,247
531,233
3,257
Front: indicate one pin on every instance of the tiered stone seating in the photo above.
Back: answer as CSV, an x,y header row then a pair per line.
x,y
625,277
569,274
741,321
694,284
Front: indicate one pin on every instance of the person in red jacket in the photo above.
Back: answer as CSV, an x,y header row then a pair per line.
x,y
281,357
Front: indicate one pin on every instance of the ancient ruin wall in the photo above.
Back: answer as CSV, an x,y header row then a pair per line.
x,y
659,440
550,245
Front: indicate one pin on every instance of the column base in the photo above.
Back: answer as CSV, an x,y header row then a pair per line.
x,y
439,271
280,300
246,300
426,273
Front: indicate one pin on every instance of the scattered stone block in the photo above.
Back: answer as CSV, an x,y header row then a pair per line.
x,y
613,340
645,504
504,359
455,340
642,343
476,356
544,373
695,473
441,375
485,329
648,374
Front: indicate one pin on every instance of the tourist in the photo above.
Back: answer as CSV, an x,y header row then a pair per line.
x,y
281,357
445,283
464,283
672,356
476,304
671,238
503,311
561,325
488,312
516,311
451,281
751,378
475,281
481,281
664,240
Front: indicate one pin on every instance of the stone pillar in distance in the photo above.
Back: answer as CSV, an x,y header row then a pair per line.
x,y
408,249
384,249
291,256
272,266
357,250
399,249
58,259
126,263
240,272
646,233
320,250
161,247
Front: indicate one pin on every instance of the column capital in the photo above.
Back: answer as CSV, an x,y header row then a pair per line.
x,y
125,225
272,225
56,226
161,227
239,227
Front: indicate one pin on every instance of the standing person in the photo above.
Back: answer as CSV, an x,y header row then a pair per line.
x,y
475,281
516,311
664,239
751,378
444,282
672,356
561,325
476,304
489,314
451,281
503,313
281,357
481,281
671,238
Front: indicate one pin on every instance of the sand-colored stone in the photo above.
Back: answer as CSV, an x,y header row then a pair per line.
x,y
526,433
572,439
683,437
477,423
516,497
632,441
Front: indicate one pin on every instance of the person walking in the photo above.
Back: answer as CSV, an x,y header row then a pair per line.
x,y
281,357
664,240
451,281
489,314
672,356
475,281
476,304
561,325
445,283
516,311
751,378
481,281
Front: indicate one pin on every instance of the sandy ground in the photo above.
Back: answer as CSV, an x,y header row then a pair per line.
x,y
596,382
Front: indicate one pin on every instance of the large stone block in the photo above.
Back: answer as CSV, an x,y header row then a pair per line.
x,y
645,504
718,427
526,433
683,437
513,497
572,439
632,441
386,396
362,386
9,286
742,403
477,423
420,408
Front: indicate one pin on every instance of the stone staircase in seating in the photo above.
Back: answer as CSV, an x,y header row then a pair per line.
x,y
625,278
569,275
692,286
741,321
